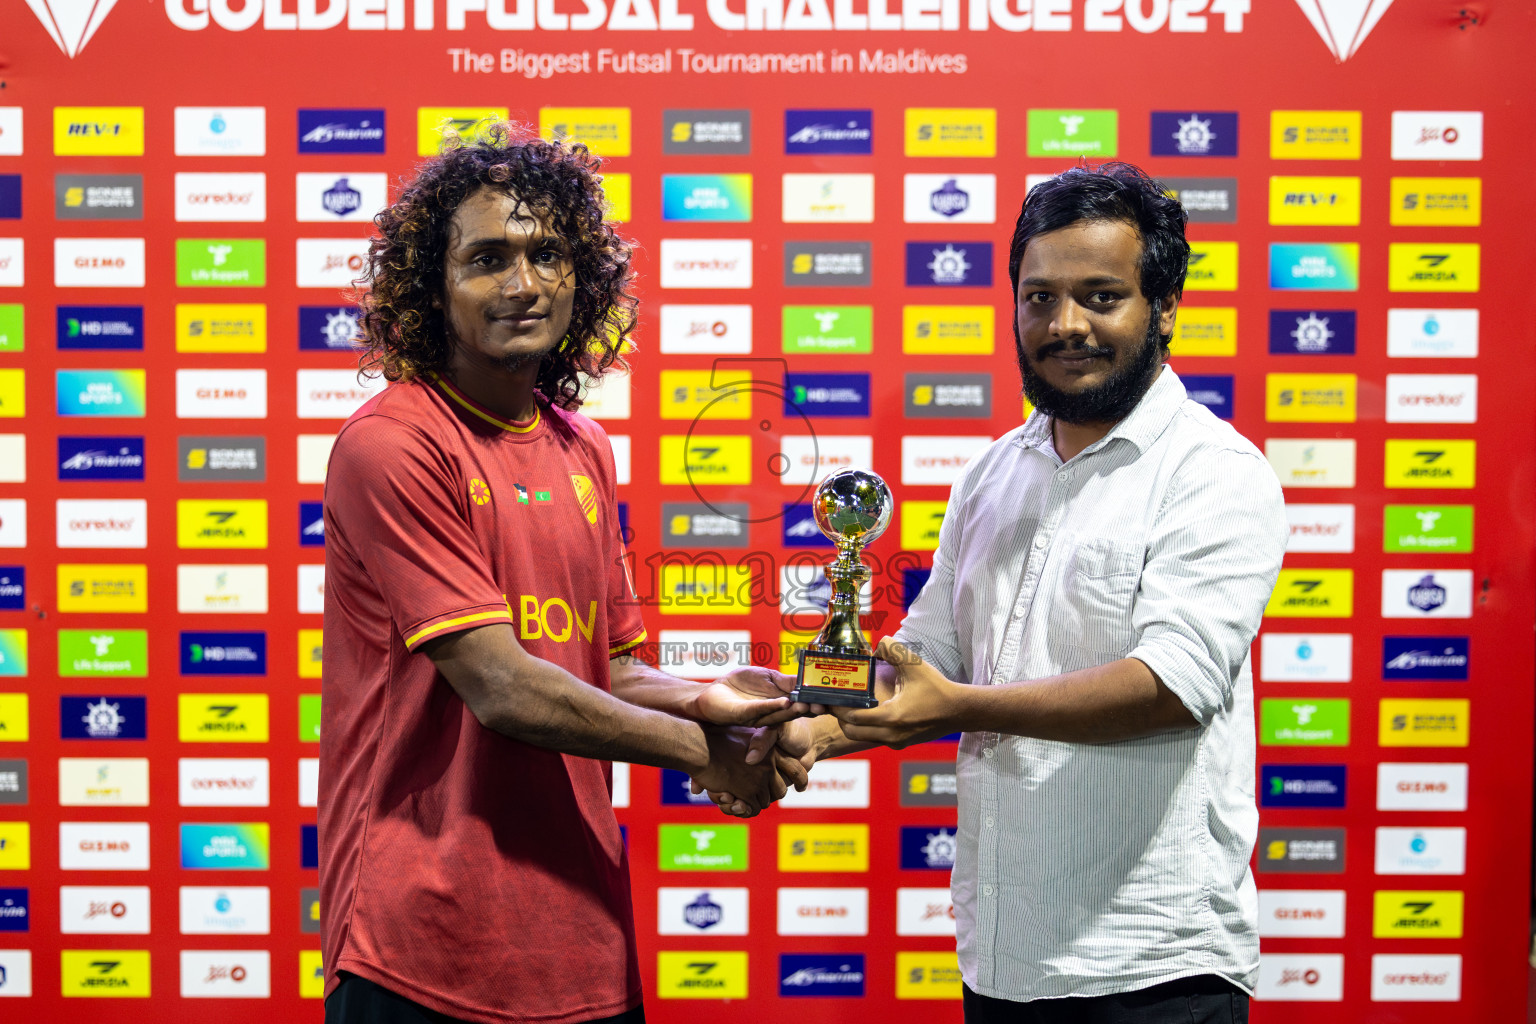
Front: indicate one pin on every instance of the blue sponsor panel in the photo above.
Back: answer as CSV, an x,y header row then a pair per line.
x,y
341,130
328,328
101,458
224,654
821,974
826,394
15,910
1194,133
624,534
1425,658
312,524
928,849
949,264
13,588
100,327
800,530
1311,332
1302,785
829,131
1212,390
102,718
912,583
10,197
309,846
676,789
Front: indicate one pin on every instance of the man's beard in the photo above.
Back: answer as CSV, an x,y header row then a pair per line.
x,y
515,361
1108,402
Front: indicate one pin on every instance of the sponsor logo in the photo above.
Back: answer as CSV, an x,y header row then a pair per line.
x,y
13,772
14,727
694,589
826,264
844,783
706,459
937,131
1212,267
947,395
828,131
1437,202
928,849
603,130
225,910
1416,979
328,328
221,459
104,846
704,395
828,329
101,523
1301,977
10,131
102,718
821,974
110,393
706,330
799,529
828,198
1313,593
1301,913
13,525
221,588
1425,658
13,587
309,718
221,131
1432,333
929,784
1205,200
706,263
924,912
87,196
226,847
1412,528
934,460
224,782
220,198
311,524
1431,463
10,197
241,973
329,198
95,263
706,197
223,654
1421,851
13,652
1306,657
949,264
333,263
309,911
325,130
221,394
13,262
1073,133
702,654
701,911
1310,397
98,131
947,330
1417,914
103,652
104,910
1302,785
1214,391
15,910
704,847
1302,851
1198,133
1433,267
435,123
1326,528
334,394
1314,201
15,845
100,327
104,781
823,847
812,459
676,787
1425,723
112,973
1421,787
221,262
823,911
826,394
311,974
704,132
1329,332
705,526
949,198
920,522
221,524
1314,266
1205,331
1305,722
1314,135
1431,398
13,336
1437,135
927,976
702,975
15,972
1415,594
221,327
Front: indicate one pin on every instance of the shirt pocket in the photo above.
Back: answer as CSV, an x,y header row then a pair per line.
x,y
1093,610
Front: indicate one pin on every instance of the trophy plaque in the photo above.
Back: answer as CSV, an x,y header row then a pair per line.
x,y
852,507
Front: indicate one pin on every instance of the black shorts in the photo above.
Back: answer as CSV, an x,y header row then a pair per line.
x,y
360,1001
1203,999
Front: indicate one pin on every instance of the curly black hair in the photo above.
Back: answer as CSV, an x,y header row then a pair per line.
x,y
405,334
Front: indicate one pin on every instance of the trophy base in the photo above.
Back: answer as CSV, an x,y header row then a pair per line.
x,y
844,680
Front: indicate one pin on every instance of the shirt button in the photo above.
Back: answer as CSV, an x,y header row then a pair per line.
x,y
1063,476
986,890
989,753
991,821
1040,540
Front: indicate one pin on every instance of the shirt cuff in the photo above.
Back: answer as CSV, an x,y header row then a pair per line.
x,y
455,621
1185,673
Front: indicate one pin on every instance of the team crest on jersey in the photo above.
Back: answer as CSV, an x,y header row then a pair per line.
x,y
586,497
479,491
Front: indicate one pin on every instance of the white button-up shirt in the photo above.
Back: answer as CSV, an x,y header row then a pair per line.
x,y
1093,869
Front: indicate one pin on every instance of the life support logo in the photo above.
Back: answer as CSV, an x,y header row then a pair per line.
x,y
479,491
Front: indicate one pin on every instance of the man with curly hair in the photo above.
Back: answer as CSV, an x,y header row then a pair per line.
x,y
480,623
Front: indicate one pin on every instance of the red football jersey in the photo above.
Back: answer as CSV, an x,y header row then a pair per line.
x,y
477,875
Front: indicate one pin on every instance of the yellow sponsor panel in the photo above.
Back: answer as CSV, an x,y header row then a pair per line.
x,y
15,846
948,330
1313,594
1431,463
951,131
103,588
110,973
920,522
618,190
1437,202
98,131
927,976
690,394
221,524
710,974
222,717
603,130
1418,914
221,327
1309,397
1205,331
309,653
13,393
1425,723
433,122
823,847
706,459
1314,201
1314,135
311,975
1212,267
704,589
14,720
1434,267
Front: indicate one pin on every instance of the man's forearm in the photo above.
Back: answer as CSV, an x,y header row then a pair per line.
x,y
1117,701
635,682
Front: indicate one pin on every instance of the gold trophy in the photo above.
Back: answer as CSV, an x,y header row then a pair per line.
x,y
852,507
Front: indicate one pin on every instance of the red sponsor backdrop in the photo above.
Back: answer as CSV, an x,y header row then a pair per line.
x,y
1419,57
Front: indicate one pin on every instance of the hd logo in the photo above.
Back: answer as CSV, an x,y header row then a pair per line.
x,y
1313,593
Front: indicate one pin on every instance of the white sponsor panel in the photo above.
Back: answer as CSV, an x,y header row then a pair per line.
x,y
95,263
938,460
1437,135
13,458
226,910
621,451
104,845
1421,851
104,523
314,455
949,198
104,909
829,198
104,781
838,782
1403,786
1431,398
1307,462
221,131
15,972
330,262
1416,979
706,330
1426,594
1301,977
329,198
1432,333
224,782
706,263
822,455
309,782
1306,657
683,911
13,263
609,398
221,394
221,197
1301,913
10,131
620,784
226,974
312,589
13,523
1314,528
334,394
230,589
823,911
924,912
704,653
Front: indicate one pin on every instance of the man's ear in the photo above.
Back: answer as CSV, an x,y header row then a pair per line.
x,y
1165,315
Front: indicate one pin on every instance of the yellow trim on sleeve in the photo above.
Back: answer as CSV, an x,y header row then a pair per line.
x,y
411,640
622,646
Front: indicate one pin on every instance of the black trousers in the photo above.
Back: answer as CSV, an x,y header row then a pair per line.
x,y
1204,999
360,1001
